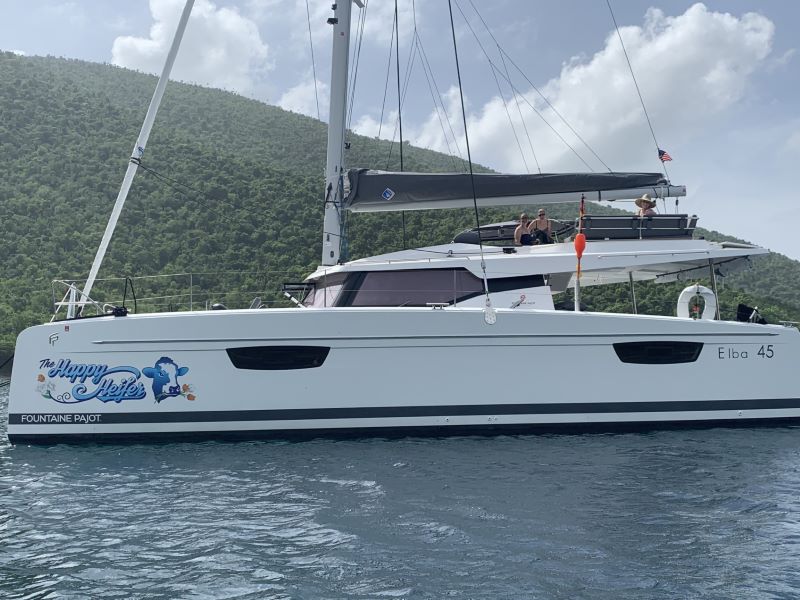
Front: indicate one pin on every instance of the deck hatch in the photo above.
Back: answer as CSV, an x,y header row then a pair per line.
x,y
278,358
658,353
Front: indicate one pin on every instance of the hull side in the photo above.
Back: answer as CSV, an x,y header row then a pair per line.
x,y
388,371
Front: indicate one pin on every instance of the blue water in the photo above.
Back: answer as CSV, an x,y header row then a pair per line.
x,y
674,514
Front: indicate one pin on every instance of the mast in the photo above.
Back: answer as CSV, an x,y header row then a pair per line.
x,y
334,169
138,151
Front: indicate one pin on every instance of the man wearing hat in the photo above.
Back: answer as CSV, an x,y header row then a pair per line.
x,y
646,206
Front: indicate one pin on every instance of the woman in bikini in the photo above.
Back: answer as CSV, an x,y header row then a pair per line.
x,y
542,228
522,234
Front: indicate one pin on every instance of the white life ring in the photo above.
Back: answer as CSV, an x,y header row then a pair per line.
x,y
710,308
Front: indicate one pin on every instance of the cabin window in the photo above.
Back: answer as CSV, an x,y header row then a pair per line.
x,y
415,287
507,284
658,353
325,291
278,358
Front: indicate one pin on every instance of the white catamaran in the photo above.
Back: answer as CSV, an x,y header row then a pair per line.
x,y
418,340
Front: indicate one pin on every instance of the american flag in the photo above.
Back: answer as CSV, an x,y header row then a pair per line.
x,y
664,155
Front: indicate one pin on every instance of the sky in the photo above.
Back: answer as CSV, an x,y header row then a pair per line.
x,y
546,84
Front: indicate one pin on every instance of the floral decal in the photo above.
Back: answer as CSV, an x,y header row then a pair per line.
x,y
186,391
45,388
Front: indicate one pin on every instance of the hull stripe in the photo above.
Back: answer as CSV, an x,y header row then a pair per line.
x,y
107,418
427,338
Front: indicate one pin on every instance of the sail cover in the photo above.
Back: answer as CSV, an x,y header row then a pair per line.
x,y
374,191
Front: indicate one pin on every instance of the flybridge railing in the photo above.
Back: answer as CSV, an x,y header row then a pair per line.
x,y
174,292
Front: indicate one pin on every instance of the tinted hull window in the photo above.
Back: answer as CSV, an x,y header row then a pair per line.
x,y
658,353
278,358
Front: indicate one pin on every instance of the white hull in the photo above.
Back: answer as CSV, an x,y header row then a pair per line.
x,y
389,369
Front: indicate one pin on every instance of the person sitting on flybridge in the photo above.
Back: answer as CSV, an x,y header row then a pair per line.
x,y
646,206
542,229
522,234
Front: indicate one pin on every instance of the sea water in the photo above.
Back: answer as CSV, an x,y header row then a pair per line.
x,y
709,513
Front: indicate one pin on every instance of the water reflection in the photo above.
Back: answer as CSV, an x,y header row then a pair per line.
x,y
664,514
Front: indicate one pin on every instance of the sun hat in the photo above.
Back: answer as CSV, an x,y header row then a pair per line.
x,y
645,201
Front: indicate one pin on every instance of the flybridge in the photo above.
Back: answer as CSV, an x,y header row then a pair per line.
x,y
377,191
607,261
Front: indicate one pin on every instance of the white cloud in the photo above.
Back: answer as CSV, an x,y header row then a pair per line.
x,y
690,68
302,98
286,26
782,60
380,17
442,130
221,48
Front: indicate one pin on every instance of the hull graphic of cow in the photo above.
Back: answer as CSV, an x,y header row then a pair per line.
x,y
165,375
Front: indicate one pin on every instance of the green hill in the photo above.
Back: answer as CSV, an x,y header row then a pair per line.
x,y
243,192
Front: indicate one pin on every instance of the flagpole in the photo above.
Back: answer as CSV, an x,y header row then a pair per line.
x,y
580,246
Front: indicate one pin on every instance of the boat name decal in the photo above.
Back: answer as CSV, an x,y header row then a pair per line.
x,y
765,351
91,381
111,384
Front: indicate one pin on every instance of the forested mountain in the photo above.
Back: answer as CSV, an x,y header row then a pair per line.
x,y
234,185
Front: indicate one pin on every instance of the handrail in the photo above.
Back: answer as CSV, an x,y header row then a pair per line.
x,y
175,291
125,293
73,305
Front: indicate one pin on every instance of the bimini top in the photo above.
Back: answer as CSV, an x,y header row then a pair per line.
x,y
376,191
